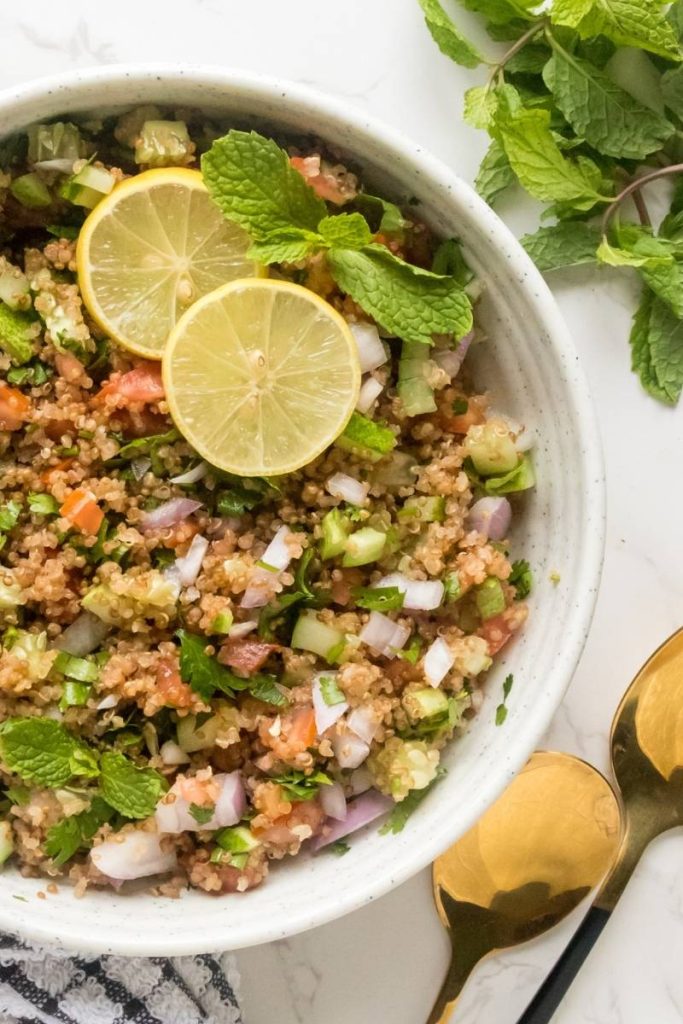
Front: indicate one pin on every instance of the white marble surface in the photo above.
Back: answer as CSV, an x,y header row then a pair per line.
x,y
386,962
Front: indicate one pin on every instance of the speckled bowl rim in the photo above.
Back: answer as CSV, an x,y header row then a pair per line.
x,y
589,558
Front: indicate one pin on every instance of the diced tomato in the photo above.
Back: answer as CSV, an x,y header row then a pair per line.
x,y
245,655
280,832
68,366
14,407
81,509
302,727
176,693
179,534
496,632
460,424
297,732
236,879
324,185
60,467
142,384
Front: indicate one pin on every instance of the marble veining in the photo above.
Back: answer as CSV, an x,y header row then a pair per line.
x,y
385,961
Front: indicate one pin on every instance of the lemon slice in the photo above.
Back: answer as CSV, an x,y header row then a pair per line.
x,y
151,248
261,376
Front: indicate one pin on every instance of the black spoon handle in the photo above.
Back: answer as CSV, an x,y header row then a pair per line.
x,y
549,996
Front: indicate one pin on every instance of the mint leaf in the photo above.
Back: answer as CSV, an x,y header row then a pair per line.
x,y
41,750
672,89
567,244
657,349
538,161
636,255
448,37
499,12
667,282
530,60
407,301
383,216
569,12
601,112
480,106
286,246
17,331
75,833
639,23
251,180
134,792
9,515
495,173
346,231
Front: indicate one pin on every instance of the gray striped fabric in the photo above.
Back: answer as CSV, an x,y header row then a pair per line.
x,y
43,985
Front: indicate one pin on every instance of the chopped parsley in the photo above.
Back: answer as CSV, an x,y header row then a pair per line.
x,y
501,710
378,599
329,689
202,815
398,817
300,786
521,578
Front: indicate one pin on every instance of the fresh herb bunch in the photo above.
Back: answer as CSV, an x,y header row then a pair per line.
x,y
584,110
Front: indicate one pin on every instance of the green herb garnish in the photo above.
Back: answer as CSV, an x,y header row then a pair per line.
x,y
501,710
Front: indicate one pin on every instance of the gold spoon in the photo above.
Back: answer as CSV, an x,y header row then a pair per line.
x,y
647,760
526,864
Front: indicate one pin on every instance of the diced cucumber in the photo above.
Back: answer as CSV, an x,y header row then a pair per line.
x,y
397,470
336,529
521,478
452,587
74,694
14,289
239,839
312,635
413,387
6,841
426,703
491,448
30,191
80,669
364,546
222,623
163,144
490,598
59,141
427,509
88,186
193,737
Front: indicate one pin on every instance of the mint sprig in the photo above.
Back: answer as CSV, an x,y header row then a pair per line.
x,y
41,750
584,127
252,181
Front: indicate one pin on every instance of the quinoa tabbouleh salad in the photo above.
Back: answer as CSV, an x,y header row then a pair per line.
x,y
253,563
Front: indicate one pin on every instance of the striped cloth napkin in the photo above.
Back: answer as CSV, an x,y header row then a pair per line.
x,y
45,985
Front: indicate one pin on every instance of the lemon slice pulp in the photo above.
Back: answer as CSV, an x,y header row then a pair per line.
x,y
261,376
150,249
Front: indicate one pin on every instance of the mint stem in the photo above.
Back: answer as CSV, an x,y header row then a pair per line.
x,y
634,187
539,26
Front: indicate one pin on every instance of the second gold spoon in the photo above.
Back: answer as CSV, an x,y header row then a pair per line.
x,y
526,864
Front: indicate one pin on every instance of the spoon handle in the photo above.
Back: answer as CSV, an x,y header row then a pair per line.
x,y
549,996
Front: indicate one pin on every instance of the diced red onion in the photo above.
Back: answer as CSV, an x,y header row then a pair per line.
x,y
349,749
333,801
360,812
370,390
108,702
384,635
174,817
278,553
83,636
325,714
171,753
364,722
371,351
438,661
490,517
419,595
192,475
348,489
132,855
140,466
451,359
187,569
360,780
169,514
62,164
263,585
242,628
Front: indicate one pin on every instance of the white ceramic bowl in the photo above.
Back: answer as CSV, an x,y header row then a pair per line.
x,y
530,365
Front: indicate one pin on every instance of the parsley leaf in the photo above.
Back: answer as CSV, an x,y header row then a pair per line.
x,y
9,516
407,301
200,671
41,750
17,332
251,180
300,786
521,578
75,833
43,504
330,691
339,848
501,710
399,815
202,815
134,792
378,599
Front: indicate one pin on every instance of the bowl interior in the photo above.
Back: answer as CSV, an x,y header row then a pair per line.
x,y
530,367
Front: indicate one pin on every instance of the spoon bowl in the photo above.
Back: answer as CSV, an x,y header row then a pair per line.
x,y
526,864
